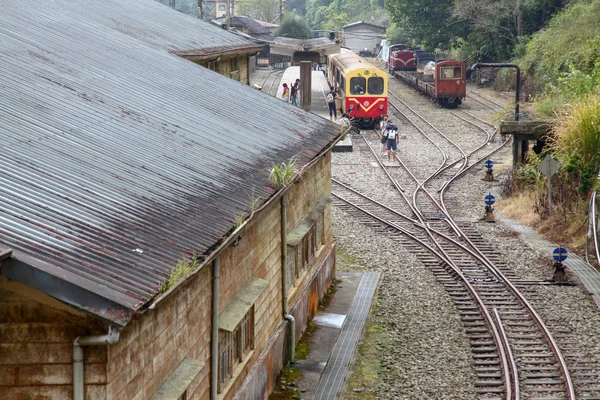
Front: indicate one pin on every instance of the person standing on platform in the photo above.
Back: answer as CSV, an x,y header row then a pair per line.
x,y
330,98
392,134
339,101
294,94
286,92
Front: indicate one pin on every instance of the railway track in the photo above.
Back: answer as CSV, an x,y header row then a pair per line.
x,y
485,101
514,353
270,84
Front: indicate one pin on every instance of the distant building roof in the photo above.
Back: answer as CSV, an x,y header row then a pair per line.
x,y
359,23
247,25
267,24
119,157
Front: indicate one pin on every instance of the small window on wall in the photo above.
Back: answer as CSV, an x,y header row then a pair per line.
x,y
234,346
213,66
233,64
376,85
358,85
452,73
221,7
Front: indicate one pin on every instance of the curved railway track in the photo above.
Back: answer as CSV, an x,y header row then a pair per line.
x,y
271,82
514,354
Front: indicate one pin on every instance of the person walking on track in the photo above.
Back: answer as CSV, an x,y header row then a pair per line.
x,y
330,98
382,127
392,135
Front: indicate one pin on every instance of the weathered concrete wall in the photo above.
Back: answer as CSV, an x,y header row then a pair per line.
x,y
36,342
308,302
262,378
151,348
225,67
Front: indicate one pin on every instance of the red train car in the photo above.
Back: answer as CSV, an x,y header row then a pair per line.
x,y
447,86
402,59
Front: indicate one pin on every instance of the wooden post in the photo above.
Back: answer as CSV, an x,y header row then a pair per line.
x,y
306,84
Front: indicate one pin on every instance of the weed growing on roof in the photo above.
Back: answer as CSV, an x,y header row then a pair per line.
x,y
282,174
182,269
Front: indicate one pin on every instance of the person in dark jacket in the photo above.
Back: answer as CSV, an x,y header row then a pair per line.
x,y
392,135
330,98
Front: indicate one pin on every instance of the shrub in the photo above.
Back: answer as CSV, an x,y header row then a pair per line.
x,y
576,141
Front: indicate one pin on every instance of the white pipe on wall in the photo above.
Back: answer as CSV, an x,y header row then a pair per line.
x,y
78,368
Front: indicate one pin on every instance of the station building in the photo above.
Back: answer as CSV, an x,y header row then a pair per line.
x,y
360,36
145,253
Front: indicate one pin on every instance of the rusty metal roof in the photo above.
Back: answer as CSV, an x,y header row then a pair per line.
x,y
118,157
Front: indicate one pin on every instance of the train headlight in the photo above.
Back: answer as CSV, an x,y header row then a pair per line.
x,y
381,107
366,103
351,107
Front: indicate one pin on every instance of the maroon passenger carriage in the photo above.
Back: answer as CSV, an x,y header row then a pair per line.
x,y
447,86
402,59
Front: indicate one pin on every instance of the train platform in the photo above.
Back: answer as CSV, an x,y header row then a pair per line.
x,y
339,328
319,106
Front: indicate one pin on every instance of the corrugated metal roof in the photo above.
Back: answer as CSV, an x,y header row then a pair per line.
x,y
119,157
362,23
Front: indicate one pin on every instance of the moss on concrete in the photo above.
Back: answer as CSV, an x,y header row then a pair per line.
x,y
365,373
286,389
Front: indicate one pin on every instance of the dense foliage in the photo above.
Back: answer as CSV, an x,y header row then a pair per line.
x,y
293,26
576,141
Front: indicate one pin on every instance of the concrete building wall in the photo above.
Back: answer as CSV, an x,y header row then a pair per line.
x,y
152,347
36,346
223,67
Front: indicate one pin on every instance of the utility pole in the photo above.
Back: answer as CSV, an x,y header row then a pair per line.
x,y
280,11
228,14
200,10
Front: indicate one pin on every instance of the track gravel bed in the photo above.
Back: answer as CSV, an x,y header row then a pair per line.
x,y
418,359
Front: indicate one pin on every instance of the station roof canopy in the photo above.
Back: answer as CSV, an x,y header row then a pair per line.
x,y
119,157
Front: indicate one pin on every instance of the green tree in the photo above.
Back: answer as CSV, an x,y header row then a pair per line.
x,y
429,22
263,10
293,26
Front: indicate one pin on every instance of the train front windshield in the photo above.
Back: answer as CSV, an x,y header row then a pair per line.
x,y
376,85
358,85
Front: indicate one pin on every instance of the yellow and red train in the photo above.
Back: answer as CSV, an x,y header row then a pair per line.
x,y
364,86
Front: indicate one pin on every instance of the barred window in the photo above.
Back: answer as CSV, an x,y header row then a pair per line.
x,y
233,64
213,66
291,266
299,258
319,233
234,346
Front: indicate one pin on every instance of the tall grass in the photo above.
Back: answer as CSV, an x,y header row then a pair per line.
x,y
576,141
282,174
182,269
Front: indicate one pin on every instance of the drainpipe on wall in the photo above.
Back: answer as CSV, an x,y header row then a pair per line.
x,y
214,335
78,367
284,278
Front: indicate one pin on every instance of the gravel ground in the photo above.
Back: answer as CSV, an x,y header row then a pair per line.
x,y
424,352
